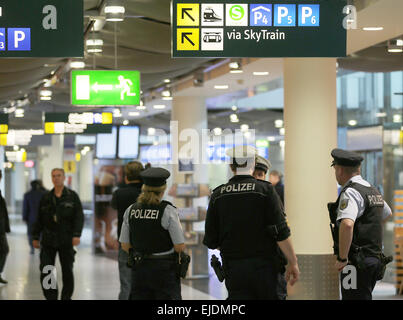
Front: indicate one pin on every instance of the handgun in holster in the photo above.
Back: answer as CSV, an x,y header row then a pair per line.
x,y
183,264
385,260
217,267
134,258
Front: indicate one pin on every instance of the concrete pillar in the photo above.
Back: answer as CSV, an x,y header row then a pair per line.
x,y
50,157
191,113
86,177
310,117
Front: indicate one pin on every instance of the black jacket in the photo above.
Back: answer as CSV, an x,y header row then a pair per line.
x,y
245,219
59,219
31,204
123,198
4,222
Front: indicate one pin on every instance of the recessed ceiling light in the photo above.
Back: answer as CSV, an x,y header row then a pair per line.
x,y
134,114
159,106
46,98
271,139
236,71
395,50
282,131
261,73
221,87
141,107
399,42
372,28
234,108
352,123
167,98
45,93
217,131
380,114
125,122
77,64
278,123
167,80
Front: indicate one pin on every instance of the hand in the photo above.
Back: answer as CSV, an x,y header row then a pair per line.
x,y
340,265
76,241
35,244
292,274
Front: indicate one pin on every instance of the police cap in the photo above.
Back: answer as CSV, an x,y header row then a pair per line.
x,y
155,177
240,154
346,158
262,164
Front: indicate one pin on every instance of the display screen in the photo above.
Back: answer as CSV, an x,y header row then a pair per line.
x,y
106,144
129,142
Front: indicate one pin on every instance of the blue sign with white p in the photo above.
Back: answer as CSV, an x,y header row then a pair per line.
x,y
260,15
308,15
2,39
285,15
19,39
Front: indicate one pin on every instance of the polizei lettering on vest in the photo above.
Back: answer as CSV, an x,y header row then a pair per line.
x,y
375,200
238,187
145,214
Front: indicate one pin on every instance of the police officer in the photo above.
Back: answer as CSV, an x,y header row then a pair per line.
x,y
152,232
357,225
122,198
59,225
246,222
262,165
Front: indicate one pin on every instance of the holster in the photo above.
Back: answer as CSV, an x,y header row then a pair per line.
x,y
385,260
134,258
183,264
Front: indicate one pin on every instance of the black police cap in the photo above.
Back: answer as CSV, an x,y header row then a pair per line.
x,y
346,158
155,177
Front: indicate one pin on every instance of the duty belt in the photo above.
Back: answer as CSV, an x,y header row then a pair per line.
x,y
170,256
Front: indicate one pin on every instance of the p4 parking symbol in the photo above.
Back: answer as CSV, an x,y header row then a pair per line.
x,y
260,15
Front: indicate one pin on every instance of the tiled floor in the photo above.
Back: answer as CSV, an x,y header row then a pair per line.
x,y
96,277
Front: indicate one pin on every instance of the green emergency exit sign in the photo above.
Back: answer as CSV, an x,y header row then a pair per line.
x,y
105,88
41,28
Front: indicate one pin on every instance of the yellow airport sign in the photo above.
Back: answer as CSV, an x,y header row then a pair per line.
x,y
188,39
69,166
188,15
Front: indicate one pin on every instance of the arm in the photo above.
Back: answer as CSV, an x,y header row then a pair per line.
x,y
78,221
387,212
170,221
38,226
25,209
345,239
125,232
211,228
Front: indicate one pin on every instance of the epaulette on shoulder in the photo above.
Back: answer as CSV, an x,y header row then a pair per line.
x,y
216,188
168,203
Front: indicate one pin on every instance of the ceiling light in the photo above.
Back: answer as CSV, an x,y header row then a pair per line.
x,y
282,131
395,50
159,106
167,80
217,131
271,138
380,114
247,134
46,98
167,98
114,10
279,123
397,118
141,107
16,148
125,122
45,93
236,71
234,108
261,73
399,42
233,65
372,28
352,123
244,127
282,144
234,118
19,113
221,87
394,47
77,64
151,131
94,43
166,93
134,114
117,113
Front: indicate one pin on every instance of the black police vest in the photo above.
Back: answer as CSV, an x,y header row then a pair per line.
x,y
146,233
367,234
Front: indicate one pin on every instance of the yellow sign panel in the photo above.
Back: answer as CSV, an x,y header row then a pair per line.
x,y
187,39
107,118
187,15
69,166
49,127
3,139
3,128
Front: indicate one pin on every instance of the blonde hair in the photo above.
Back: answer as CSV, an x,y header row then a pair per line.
x,y
151,195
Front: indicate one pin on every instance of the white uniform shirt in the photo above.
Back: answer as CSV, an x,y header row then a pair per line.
x,y
169,221
352,204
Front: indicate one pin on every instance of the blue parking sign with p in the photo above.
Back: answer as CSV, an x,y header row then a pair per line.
x,y
260,15
308,15
2,39
19,39
285,15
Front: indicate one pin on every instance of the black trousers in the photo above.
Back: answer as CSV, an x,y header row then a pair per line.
x,y
48,282
281,286
366,280
155,280
251,279
4,250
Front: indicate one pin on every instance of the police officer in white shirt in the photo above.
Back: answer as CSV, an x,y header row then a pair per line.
x,y
357,226
151,228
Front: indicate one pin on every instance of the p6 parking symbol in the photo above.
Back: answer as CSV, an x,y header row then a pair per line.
x,y
308,15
